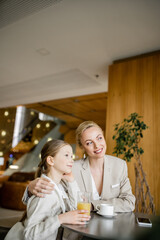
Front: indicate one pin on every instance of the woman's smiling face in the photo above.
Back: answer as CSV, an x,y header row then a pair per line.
x,y
93,142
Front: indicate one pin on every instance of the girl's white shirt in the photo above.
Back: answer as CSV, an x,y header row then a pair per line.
x,y
59,188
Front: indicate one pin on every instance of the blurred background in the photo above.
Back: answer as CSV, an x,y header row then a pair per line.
x,y
66,61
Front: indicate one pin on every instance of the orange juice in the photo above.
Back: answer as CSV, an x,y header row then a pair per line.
x,y
84,206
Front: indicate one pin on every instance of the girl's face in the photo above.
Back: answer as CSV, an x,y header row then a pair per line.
x,y
93,142
63,160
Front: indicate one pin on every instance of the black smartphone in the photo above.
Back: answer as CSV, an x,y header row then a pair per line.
x,y
146,222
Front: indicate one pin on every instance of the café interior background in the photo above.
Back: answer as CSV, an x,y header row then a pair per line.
x,y
74,61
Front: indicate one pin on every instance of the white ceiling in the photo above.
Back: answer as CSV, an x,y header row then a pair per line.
x,y
58,51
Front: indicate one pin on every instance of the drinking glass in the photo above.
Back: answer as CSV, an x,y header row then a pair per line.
x,y
84,201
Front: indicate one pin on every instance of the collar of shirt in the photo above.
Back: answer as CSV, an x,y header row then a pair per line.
x,y
58,187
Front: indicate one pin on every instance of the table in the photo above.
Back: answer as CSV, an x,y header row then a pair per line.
x,y
123,226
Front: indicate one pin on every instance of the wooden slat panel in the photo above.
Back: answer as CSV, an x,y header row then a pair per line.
x,y
134,86
76,109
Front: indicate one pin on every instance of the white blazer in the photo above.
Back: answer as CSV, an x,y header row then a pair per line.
x,y
116,185
42,215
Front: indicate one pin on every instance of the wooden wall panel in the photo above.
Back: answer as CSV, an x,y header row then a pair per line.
x,y
134,86
75,110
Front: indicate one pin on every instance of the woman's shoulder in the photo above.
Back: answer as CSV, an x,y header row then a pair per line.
x,y
78,162
114,160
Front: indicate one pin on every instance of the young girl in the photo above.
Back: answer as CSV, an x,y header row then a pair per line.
x,y
45,215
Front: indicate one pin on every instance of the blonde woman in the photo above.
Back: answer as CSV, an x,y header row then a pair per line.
x,y
104,175
45,215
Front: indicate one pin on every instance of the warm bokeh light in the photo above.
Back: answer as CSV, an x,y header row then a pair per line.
x,y
49,139
36,141
38,125
3,133
1,154
47,125
6,113
32,113
13,167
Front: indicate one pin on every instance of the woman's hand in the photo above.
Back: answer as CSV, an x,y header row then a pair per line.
x,y
68,177
74,217
39,187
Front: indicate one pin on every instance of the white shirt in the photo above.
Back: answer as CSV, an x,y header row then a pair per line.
x,y
59,188
95,194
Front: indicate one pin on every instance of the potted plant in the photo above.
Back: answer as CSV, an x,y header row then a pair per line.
x,y
128,135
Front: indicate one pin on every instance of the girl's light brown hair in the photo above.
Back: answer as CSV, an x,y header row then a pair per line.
x,y
82,127
51,148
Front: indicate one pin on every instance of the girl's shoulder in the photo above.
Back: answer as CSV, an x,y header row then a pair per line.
x,y
49,199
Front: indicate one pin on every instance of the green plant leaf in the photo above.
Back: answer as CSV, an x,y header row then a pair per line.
x,y
127,136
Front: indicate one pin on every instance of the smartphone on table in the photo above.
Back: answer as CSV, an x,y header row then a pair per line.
x,y
142,221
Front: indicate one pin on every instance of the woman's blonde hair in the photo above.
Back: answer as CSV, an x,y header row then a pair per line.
x,y
51,148
82,127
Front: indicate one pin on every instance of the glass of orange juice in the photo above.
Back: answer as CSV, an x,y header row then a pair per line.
x,y
84,201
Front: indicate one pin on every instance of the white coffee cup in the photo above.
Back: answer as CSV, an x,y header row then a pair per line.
x,y
105,209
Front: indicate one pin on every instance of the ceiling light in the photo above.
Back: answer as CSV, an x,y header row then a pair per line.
x,y
38,125
32,113
6,113
3,133
1,154
49,139
36,141
47,125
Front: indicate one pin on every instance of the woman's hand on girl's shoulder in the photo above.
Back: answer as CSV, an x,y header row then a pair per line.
x,y
40,187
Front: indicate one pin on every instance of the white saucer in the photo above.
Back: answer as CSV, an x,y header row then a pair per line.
x,y
107,216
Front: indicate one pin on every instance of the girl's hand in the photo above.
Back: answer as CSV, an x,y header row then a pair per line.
x,y
74,217
68,177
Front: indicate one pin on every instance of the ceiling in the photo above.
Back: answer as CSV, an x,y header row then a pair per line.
x,y
63,49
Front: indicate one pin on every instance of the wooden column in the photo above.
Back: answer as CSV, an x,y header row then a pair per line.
x,y
134,86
